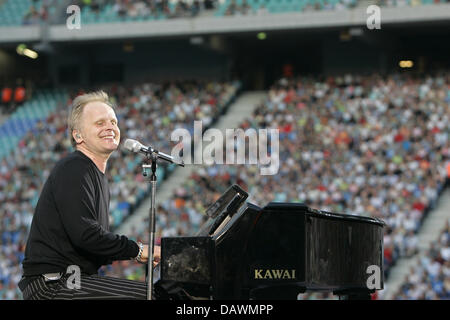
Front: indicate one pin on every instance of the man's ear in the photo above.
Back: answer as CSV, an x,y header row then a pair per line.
x,y
77,136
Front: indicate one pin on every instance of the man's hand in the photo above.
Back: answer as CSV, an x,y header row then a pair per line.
x,y
156,254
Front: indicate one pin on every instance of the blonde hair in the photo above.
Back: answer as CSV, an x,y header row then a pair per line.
x,y
78,105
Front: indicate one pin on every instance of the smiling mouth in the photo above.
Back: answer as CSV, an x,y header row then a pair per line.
x,y
109,138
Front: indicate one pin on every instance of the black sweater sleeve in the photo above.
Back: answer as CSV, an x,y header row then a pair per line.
x,y
75,196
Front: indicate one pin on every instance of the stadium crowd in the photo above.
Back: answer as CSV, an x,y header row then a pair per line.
x,y
372,146
358,145
155,8
261,7
24,171
429,279
41,11
407,3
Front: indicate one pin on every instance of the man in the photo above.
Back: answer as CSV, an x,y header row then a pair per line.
x,y
70,223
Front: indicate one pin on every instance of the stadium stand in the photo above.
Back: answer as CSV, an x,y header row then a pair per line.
x,y
29,12
245,7
359,145
367,125
126,11
429,279
26,117
354,105
13,13
25,167
363,145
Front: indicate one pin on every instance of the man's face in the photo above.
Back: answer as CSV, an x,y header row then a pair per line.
x,y
98,128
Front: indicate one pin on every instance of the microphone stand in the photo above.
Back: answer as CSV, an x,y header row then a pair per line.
x,y
152,157
151,226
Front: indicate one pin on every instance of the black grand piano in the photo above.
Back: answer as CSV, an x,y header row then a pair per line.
x,y
244,252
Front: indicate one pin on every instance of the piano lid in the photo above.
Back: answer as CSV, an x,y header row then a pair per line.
x,y
283,207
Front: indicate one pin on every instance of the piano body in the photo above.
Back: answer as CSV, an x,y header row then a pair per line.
x,y
244,252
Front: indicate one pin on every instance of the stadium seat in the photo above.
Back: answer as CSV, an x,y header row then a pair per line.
x,y
6,95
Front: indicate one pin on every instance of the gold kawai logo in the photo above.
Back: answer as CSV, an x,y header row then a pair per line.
x,y
274,273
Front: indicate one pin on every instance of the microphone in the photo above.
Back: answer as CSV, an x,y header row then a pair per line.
x,y
137,147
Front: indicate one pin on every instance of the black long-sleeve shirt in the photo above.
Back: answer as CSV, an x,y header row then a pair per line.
x,y
70,224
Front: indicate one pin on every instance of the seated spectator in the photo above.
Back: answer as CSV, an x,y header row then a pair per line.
x,y
232,8
245,8
31,17
195,8
120,8
132,10
262,10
